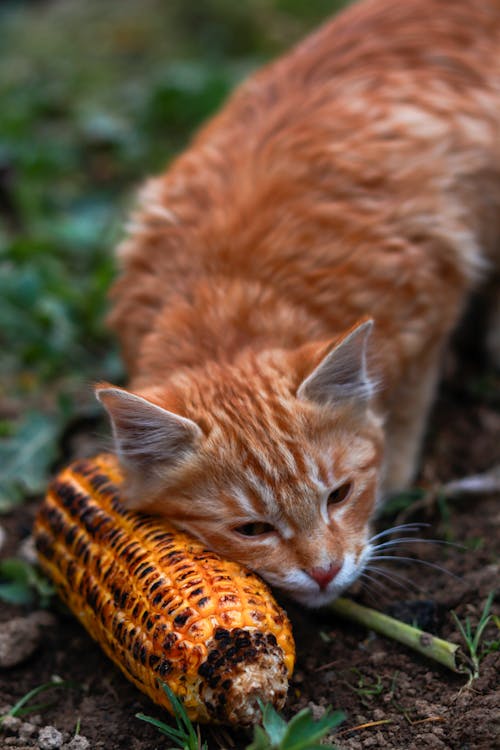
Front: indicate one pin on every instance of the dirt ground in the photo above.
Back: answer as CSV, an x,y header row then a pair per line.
x,y
406,701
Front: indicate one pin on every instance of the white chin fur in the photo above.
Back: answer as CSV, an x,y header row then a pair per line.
x,y
318,598
306,591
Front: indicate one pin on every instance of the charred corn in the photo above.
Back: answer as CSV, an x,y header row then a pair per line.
x,y
163,608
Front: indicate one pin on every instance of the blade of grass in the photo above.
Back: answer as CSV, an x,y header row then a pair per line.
x,y
34,708
170,732
187,737
18,707
483,622
448,654
184,723
473,639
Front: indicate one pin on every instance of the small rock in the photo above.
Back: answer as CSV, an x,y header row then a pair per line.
x,y
437,730
353,744
21,636
317,711
423,707
49,738
78,742
378,657
11,724
26,730
379,714
27,550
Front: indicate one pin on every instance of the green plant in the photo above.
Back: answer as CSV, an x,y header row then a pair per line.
x,y
21,709
26,455
474,543
302,732
22,583
187,737
364,688
473,638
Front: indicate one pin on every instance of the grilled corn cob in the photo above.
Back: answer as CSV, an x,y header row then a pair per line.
x,y
163,608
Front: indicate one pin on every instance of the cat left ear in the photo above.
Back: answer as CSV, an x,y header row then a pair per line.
x,y
342,374
150,441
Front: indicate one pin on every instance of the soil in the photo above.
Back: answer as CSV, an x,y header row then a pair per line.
x,y
403,700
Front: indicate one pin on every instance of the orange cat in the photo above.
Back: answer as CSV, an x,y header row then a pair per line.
x,y
289,284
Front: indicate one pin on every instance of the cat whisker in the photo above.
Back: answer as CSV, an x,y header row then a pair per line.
x,y
370,582
374,581
401,558
397,579
402,527
414,540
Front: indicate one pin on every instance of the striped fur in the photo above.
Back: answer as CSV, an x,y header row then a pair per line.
x,y
355,179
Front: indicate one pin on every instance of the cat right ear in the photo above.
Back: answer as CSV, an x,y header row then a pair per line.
x,y
150,441
342,374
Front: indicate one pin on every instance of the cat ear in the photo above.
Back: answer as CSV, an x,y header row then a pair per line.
x,y
342,374
150,441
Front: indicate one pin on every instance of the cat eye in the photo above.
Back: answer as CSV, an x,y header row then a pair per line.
x,y
340,493
254,528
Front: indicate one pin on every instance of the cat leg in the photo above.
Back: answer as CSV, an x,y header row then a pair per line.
x,y
406,424
411,403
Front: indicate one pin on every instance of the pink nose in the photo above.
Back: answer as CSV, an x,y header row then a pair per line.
x,y
323,576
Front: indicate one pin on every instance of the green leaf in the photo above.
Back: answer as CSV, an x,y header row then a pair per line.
x,y
22,582
170,732
15,569
185,735
260,740
484,621
303,730
20,708
301,733
184,723
16,593
26,458
273,723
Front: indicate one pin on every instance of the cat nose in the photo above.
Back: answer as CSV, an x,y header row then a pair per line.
x,y
323,576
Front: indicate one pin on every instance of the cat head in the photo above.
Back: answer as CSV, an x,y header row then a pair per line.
x,y
273,460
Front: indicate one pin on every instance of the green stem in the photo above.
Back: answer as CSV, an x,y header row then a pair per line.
x,y
444,652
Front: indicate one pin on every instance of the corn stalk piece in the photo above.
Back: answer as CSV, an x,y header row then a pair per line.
x,y
163,608
448,654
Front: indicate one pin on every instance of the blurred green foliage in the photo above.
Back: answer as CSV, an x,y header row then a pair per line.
x,y
94,96
27,451
22,583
